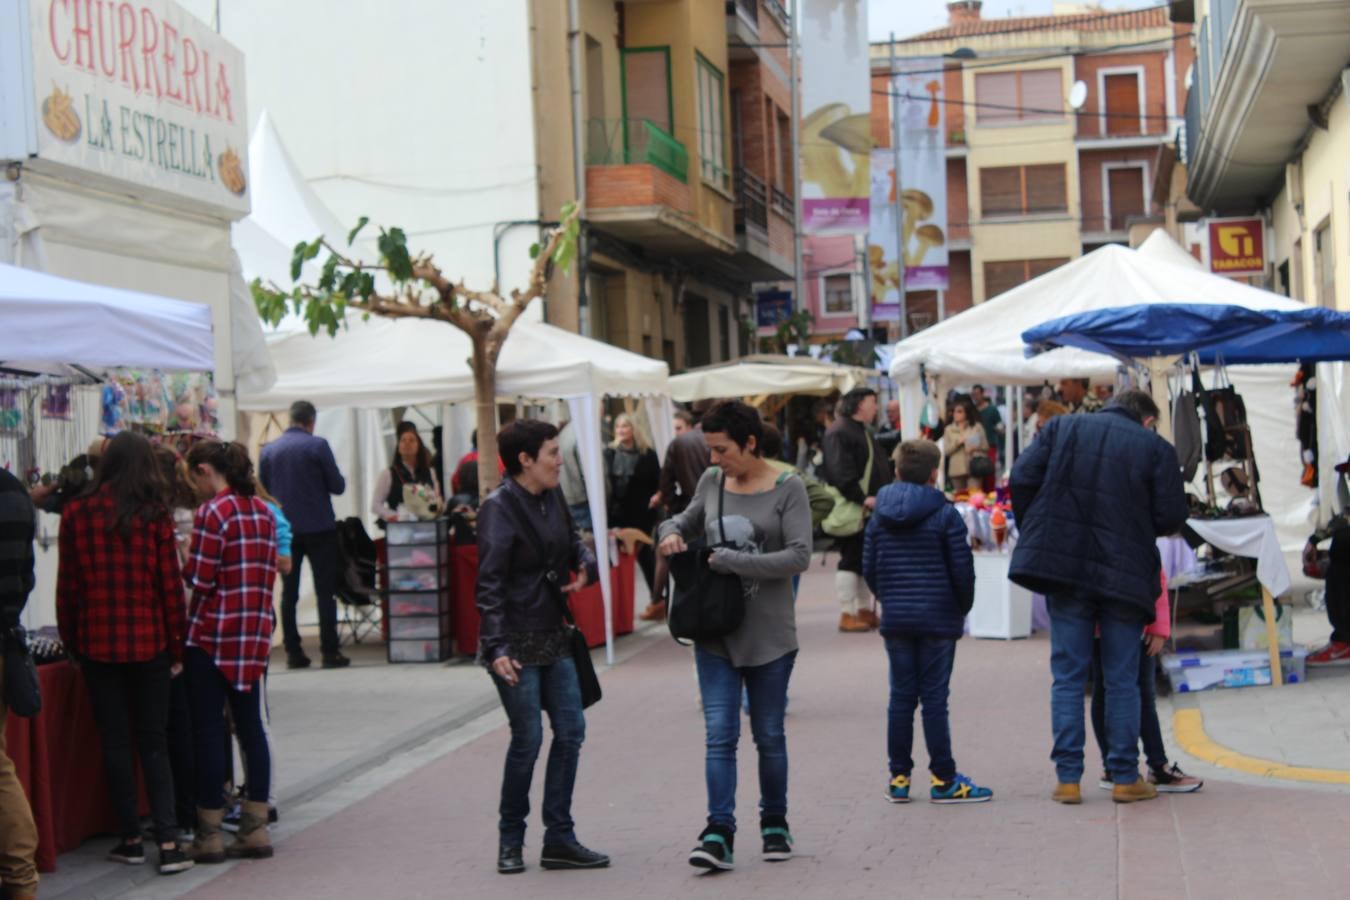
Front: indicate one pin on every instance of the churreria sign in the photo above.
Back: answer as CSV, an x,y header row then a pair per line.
x,y
1237,246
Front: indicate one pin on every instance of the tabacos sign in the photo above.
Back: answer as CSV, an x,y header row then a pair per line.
x,y
140,92
1237,246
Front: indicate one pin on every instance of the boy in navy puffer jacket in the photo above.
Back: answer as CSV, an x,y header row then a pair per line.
x,y
917,561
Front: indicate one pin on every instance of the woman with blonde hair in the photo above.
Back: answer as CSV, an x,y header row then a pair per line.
x,y
633,480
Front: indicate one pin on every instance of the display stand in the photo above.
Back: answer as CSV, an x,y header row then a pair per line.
x,y
1002,609
419,591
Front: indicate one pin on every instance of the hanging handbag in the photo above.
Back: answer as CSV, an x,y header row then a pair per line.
x,y
848,518
705,604
23,696
981,466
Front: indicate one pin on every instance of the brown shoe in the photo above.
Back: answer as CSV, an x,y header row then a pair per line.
x,y
869,618
252,840
208,842
654,612
1068,794
1133,793
851,624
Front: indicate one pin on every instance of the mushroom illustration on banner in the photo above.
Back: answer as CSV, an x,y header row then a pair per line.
x,y
836,144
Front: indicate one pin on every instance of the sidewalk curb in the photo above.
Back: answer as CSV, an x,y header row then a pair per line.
x,y
1188,725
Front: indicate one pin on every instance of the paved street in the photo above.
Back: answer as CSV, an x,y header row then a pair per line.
x,y
425,827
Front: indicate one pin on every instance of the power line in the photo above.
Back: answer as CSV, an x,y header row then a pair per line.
x,y
1071,22
419,189
1028,109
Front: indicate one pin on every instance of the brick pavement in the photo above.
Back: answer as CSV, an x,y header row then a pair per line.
x,y
640,798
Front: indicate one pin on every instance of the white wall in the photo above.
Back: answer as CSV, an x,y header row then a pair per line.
x,y
417,113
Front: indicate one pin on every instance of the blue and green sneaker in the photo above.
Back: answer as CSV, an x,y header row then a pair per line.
x,y
714,849
777,838
898,790
959,790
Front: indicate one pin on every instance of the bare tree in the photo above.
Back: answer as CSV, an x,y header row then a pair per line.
x,y
419,289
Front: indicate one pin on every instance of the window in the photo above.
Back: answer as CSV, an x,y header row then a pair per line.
x,y
723,333
838,294
712,149
1324,265
1022,190
646,85
1009,98
1008,274
1121,103
1124,195
784,146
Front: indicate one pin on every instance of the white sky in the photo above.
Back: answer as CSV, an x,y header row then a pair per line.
x,y
909,17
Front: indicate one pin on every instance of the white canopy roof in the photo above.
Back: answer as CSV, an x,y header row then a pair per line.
x,y
57,320
396,362
754,375
985,343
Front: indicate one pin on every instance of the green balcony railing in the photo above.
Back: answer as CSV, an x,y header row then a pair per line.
x,y
617,142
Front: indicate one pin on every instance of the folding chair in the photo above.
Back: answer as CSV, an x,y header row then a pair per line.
x,y
357,590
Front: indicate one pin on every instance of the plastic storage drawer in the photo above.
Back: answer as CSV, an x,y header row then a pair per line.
x,y
429,650
423,627
416,532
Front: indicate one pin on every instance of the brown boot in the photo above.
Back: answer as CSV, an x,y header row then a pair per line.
x,y
869,618
1069,794
654,612
251,841
208,844
1132,793
851,624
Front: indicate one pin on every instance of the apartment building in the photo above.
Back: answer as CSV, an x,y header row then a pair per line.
x,y
1268,131
1033,182
677,141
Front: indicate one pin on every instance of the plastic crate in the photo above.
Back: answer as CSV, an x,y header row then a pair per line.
x,y
1211,669
424,627
423,603
413,651
416,556
399,533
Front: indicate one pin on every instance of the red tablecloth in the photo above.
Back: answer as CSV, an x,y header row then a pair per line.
x,y
588,606
59,760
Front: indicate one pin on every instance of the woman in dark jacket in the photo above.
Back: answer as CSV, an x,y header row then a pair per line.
x,y
633,475
529,560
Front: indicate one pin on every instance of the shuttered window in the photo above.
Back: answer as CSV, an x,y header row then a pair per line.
x,y
1125,195
646,84
1005,275
1031,95
1122,103
1020,190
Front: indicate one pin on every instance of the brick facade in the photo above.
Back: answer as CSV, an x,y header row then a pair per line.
x,y
1091,166
634,185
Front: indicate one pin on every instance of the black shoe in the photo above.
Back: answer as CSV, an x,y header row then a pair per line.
x,y
777,838
571,856
128,854
714,851
510,860
172,860
336,661
297,660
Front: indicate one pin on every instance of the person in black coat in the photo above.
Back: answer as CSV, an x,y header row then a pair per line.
x,y
1091,496
633,481
530,560
847,447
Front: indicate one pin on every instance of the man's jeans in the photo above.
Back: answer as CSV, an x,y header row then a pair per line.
x,y
719,684
1150,729
1073,621
322,549
921,669
553,689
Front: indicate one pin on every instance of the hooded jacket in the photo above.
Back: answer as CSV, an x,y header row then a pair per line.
x,y
917,560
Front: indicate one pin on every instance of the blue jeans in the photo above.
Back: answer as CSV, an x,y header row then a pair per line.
x,y
555,690
1150,729
921,669
210,694
719,684
1073,621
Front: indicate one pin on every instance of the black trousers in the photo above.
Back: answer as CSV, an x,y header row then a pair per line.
x,y
1338,587
322,549
131,697
182,756
850,553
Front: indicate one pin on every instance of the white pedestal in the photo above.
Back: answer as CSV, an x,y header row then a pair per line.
x,y
1002,609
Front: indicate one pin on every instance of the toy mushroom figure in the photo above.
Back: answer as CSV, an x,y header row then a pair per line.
x,y
927,236
917,206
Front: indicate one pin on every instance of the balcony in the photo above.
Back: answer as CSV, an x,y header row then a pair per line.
x,y
763,242
752,203
637,188
1260,65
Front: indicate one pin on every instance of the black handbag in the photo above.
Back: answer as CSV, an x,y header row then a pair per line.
x,y
705,604
981,466
23,696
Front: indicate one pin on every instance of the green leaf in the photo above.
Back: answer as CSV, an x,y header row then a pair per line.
x,y
534,250
393,245
328,279
298,259
567,209
360,223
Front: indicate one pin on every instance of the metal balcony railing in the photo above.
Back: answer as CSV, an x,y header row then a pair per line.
x,y
749,10
752,200
783,205
619,142
1189,133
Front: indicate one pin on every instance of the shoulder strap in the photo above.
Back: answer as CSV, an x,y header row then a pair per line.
x,y
867,472
721,505
533,528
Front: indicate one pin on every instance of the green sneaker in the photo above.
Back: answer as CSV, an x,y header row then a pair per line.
x,y
714,850
898,790
777,838
959,790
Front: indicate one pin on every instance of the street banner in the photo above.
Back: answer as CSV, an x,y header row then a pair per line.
x,y
883,239
836,131
923,173
771,308
1237,246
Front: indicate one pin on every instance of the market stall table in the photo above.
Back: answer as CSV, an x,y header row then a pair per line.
x,y
58,757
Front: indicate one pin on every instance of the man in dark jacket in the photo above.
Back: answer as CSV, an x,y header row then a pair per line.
x,y
299,469
18,834
1091,495
917,560
849,448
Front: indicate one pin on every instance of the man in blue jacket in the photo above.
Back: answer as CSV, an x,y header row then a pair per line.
x,y
299,469
917,560
1091,495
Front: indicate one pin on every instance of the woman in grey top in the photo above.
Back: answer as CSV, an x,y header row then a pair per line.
x,y
768,519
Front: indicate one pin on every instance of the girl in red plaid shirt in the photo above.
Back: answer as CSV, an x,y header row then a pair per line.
x,y
231,568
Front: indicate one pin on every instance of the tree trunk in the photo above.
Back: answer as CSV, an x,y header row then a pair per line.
x,y
484,363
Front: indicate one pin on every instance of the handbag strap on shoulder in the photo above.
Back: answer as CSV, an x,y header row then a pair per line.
x,y
558,595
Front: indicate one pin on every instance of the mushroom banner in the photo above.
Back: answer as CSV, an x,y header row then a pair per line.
x,y
836,135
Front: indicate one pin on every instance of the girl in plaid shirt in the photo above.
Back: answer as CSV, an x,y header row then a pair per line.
x,y
230,572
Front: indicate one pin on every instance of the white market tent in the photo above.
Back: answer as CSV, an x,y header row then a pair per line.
x,y
984,345
50,320
752,376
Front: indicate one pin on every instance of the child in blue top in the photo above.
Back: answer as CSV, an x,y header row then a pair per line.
x,y
917,561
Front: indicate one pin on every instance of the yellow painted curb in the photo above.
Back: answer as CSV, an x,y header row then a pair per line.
x,y
1189,727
